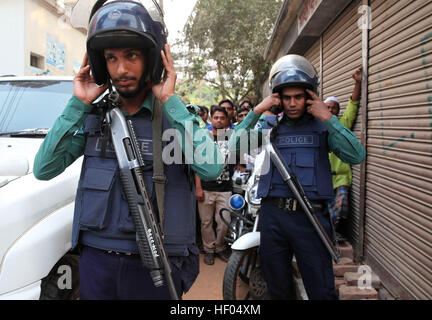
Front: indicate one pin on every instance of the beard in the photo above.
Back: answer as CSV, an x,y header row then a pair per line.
x,y
130,93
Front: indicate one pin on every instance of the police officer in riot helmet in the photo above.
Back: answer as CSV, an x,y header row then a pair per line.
x,y
303,134
126,29
127,49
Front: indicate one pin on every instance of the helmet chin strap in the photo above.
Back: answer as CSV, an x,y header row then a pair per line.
x,y
110,88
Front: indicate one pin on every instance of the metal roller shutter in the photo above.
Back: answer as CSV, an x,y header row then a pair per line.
x,y
314,57
398,229
342,54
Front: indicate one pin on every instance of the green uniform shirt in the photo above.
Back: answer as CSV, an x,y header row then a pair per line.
x,y
65,142
341,141
342,175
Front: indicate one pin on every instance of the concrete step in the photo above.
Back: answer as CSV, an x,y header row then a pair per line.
x,y
340,269
355,293
346,250
343,261
339,281
352,279
344,265
347,275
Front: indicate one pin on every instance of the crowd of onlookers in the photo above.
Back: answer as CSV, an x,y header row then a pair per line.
x,y
212,196
234,115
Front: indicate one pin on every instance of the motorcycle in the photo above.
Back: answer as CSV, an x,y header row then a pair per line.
x,y
242,278
241,222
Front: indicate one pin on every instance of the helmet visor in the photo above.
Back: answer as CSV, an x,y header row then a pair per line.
x,y
82,10
293,62
293,69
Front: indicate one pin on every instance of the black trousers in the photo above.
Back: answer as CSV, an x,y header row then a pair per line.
x,y
284,234
108,276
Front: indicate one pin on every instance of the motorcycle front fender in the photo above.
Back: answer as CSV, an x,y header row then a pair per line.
x,y
247,241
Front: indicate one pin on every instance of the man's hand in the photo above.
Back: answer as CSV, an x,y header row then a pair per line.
x,y
267,103
357,75
85,87
317,107
164,90
199,194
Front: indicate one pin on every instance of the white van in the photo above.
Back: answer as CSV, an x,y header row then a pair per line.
x,y
35,216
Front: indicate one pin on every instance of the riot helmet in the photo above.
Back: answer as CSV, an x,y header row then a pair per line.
x,y
293,70
126,24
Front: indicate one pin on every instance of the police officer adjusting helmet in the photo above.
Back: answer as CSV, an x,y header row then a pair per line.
x,y
293,70
126,24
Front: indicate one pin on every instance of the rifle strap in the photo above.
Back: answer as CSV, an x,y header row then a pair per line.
x,y
159,178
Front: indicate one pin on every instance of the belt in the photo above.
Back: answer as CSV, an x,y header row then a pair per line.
x,y
292,204
120,253
110,252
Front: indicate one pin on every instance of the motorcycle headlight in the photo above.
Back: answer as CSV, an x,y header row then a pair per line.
x,y
252,196
236,202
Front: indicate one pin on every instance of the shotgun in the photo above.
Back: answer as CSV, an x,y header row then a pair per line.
x,y
148,235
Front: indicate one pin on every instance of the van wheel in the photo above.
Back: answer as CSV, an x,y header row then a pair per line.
x,y
62,283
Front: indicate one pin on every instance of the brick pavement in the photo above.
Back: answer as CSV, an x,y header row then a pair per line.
x,y
208,285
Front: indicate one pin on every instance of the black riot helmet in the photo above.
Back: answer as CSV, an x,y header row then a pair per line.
x,y
126,24
293,70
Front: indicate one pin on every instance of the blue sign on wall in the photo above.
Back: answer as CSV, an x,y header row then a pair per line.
x,y
56,53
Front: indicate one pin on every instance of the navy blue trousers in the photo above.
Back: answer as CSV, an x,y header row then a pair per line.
x,y
108,276
284,234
